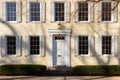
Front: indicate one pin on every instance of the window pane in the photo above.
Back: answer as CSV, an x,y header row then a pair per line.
x,y
83,45
106,11
11,45
34,45
34,11
106,45
11,11
82,11
59,11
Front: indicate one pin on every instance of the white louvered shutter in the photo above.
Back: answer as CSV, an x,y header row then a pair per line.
x,y
115,11
27,46
91,45
4,12
100,45
18,11
99,11
18,45
67,11
3,46
90,5
76,45
76,11
52,11
27,11
42,45
42,11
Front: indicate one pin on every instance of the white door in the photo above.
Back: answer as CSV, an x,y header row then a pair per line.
x,y
59,50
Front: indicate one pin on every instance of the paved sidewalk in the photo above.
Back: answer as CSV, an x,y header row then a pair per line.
x,y
60,78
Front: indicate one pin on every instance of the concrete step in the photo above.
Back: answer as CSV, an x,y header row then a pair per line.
x,y
59,70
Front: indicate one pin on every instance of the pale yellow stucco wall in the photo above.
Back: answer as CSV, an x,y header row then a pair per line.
x,y
94,28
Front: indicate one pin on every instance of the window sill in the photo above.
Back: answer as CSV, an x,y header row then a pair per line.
x,y
11,22
87,55
34,22
111,55
59,22
107,21
33,55
11,56
83,21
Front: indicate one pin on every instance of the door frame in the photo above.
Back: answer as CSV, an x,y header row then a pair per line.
x,y
67,33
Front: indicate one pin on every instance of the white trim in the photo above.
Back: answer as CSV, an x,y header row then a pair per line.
x,y
67,50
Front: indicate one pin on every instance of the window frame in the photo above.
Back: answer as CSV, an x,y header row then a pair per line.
x,y
41,46
4,46
114,45
114,13
66,11
30,12
90,45
30,45
7,11
90,11
42,11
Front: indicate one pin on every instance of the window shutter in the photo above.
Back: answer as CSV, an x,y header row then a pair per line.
x,y
115,11
52,11
112,44
67,11
76,44
18,45
99,11
91,45
3,46
90,5
18,11
4,12
42,11
115,45
100,45
27,46
42,45
76,11
27,11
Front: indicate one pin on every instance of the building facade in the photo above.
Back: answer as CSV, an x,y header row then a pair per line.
x,y
59,32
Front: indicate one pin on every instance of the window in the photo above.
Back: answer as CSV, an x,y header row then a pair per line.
x,y
34,45
83,45
106,45
83,11
59,11
34,11
106,11
11,45
11,11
